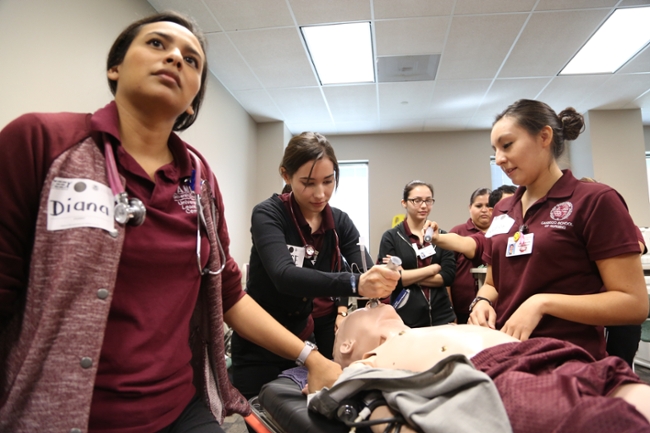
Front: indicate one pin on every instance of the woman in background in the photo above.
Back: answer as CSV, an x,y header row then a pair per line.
x,y
464,287
421,297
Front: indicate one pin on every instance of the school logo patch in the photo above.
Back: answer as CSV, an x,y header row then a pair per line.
x,y
562,211
184,196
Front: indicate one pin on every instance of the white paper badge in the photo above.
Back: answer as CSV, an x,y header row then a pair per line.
x,y
297,254
500,225
79,203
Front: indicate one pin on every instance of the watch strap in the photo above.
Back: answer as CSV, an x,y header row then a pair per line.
x,y
477,300
304,353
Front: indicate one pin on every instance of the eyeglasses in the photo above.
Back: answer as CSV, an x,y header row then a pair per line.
x,y
418,201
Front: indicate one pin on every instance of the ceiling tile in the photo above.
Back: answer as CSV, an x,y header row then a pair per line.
x,y
640,63
404,100
228,66
568,91
549,41
302,104
259,105
411,36
352,103
478,45
459,98
401,125
250,14
505,92
446,124
324,127
194,8
616,92
309,12
357,127
493,6
411,8
277,56
547,5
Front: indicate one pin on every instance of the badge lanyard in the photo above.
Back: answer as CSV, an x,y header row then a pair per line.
x,y
310,251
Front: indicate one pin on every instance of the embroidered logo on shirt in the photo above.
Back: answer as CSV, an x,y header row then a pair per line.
x,y
559,214
562,211
184,196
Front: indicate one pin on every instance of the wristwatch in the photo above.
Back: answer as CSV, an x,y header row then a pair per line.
x,y
476,301
343,313
304,353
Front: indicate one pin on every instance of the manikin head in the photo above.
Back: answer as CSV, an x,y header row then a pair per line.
x,y
363,330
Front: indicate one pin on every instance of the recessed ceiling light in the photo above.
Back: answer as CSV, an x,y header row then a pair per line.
x,y
623,35
341,53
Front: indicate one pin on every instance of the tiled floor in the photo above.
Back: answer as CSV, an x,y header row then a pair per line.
x,y
234,424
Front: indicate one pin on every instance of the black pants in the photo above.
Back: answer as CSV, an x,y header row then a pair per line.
x,y
195,418
623,341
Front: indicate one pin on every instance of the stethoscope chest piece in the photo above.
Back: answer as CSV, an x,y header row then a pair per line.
x,y
130,211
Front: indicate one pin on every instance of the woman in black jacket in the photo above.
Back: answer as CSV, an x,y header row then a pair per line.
x,y
301,251
421,297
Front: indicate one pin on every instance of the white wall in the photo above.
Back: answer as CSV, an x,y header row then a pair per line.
x,y
455,163
54,55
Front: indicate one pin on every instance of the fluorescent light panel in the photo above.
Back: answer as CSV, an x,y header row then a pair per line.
x,y
623,35
342,53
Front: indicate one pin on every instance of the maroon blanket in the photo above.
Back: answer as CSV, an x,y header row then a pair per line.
x,y
549,385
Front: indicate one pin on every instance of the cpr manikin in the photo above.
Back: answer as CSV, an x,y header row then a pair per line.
x,y
377,338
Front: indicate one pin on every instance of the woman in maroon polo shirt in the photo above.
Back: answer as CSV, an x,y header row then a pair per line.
x,y
97,317
575,266
464,288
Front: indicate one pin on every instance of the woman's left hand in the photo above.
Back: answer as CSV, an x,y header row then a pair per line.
x,y
321,372
525,319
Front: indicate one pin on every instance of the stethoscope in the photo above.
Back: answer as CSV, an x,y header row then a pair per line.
x,y
310,251
133,212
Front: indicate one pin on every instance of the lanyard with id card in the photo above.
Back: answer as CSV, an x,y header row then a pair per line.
x,y
521,243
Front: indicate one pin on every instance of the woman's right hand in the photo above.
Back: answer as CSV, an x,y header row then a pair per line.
x,y
435,227
378,282
483,315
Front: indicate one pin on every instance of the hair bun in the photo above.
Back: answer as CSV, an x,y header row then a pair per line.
x,y
573,123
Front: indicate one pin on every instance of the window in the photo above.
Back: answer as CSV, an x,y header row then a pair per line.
x,y
351,196
498,176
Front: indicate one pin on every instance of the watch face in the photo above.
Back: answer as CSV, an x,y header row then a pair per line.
x,y
344,313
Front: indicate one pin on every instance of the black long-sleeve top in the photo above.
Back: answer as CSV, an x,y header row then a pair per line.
x,y
284,289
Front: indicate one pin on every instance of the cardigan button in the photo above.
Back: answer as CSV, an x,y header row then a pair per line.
x,y
304,299
114,233
102,293
86,362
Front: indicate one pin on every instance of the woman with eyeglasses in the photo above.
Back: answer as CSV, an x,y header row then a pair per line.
x,y
421,297
303,250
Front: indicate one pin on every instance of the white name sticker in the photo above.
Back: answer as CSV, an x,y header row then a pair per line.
x,y
500,225
76,203
297,254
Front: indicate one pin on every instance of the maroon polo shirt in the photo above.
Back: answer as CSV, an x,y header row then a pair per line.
x,y
575,224
144,379
464,287
323,305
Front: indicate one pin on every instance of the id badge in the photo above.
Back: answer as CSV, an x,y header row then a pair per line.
x,y
520,247
297,254
426,252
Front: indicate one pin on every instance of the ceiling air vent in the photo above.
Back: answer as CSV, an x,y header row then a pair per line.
x,y
407,68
